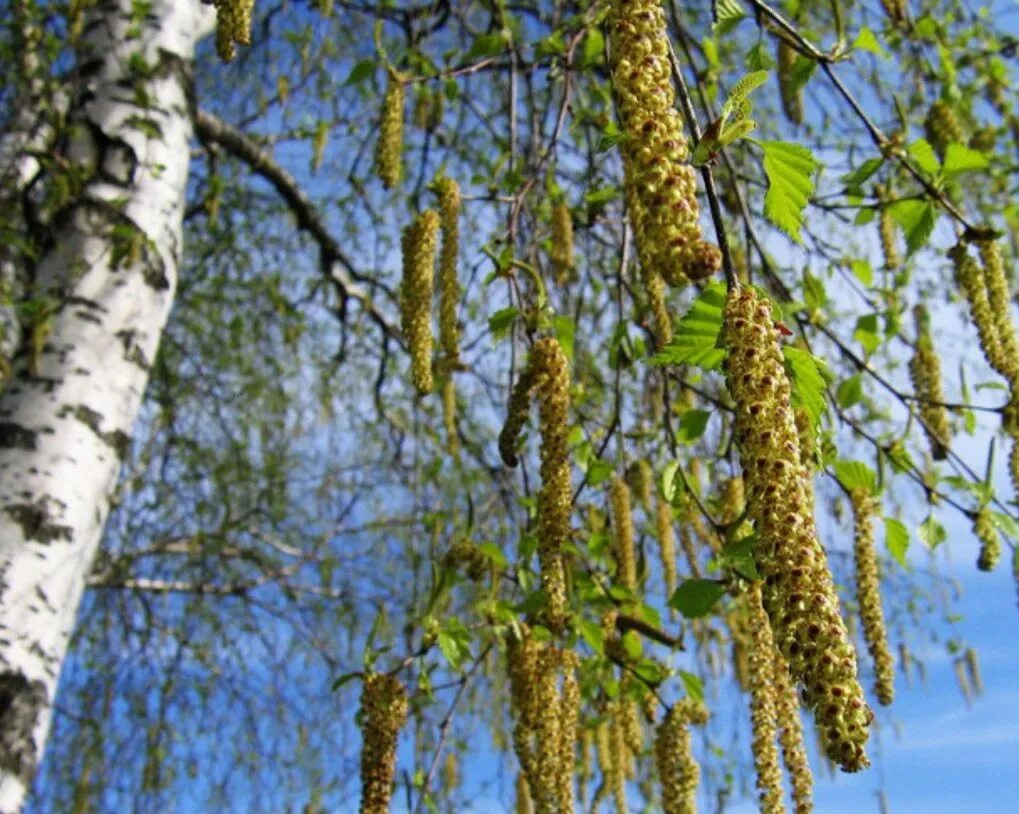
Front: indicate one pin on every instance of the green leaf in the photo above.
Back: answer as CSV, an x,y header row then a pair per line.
x,y
854,179
344,679
960,159
866,332
932,532
693,685
867,41
735,131
551,46
361,71
790,169
808,383
599,471
565,331
917,219
850,391
695,341
692,425
501,321
593,49
863,271
739,96
1006,525
650,671
671,485
695,597
450,648
494,553
923,156
759,57
486,45
897,540
728,15
856,475
593,634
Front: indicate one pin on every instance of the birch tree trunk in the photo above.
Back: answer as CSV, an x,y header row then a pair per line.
x,y
65,419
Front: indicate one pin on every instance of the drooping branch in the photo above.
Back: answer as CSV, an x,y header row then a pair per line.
x,y
334,261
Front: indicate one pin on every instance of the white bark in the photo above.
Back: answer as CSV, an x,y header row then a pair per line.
x,y
65,427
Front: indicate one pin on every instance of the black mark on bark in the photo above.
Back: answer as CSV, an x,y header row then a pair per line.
x,y
14,436
21,702
36,523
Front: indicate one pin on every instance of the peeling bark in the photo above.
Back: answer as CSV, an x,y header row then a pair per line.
x,y
66,418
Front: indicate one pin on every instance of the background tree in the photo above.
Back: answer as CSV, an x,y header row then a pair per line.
x,y
293,512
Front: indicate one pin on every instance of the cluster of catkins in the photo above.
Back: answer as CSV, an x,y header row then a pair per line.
x,y
925,374
868,595
233,26
546,706
389,147
420,240
661,187
798,592
547,374
383,714
990,543
678,771
465,557
985,287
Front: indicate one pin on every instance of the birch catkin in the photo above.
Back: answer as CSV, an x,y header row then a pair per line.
x,y
547,373
383,714
562,242
790,736
448,192
622,526
419,240
678,771
791,95
389,147
763,704
233,26
799,595
868,596
942,127
925,374
990,542
661,186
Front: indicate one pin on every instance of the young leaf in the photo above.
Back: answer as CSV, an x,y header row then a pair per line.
x,y
696,597
856,475
741,91
897,540
790,169
728,15
695,341
960,159
917,220
808,383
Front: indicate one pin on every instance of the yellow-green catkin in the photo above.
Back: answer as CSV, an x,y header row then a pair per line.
x,y
383,714
524,804
973,670
763,704
419,242
868,595
654,287
233,26
622,527
465,557
448,192
678,771
897,11
389,147
547,373
449,415
546,702
790,737
562,243
641,478
942,127
972,283
791,95
451,771
925,374
799,595
990,542
999,299
660,183
666,544
887,232
620,760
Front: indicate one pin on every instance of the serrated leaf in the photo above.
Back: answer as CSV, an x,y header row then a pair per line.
x,y
670,483
361,71
501,321
593,48
855,475
450,648
695,340
696,597
728,15
736,131
808,383
917,219
866,332
850,391
923,156
790,169
960,159
693,685
650,671
599,471
494,554
759,57
565,332
593,634
932,532
740,93
867,41
897,540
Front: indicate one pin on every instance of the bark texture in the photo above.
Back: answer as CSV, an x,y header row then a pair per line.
x,y
109,279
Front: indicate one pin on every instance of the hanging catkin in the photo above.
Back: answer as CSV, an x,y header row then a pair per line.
x,y
547,372
383,713
925,374
233,26
790,736
990,542
389,147
942,127
562,243
791,94
622,527
678,771
763,704
887,232
799,594
448,193
666,544
868,596
661,186
419,240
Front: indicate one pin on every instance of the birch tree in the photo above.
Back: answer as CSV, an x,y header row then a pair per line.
x,y
103,290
